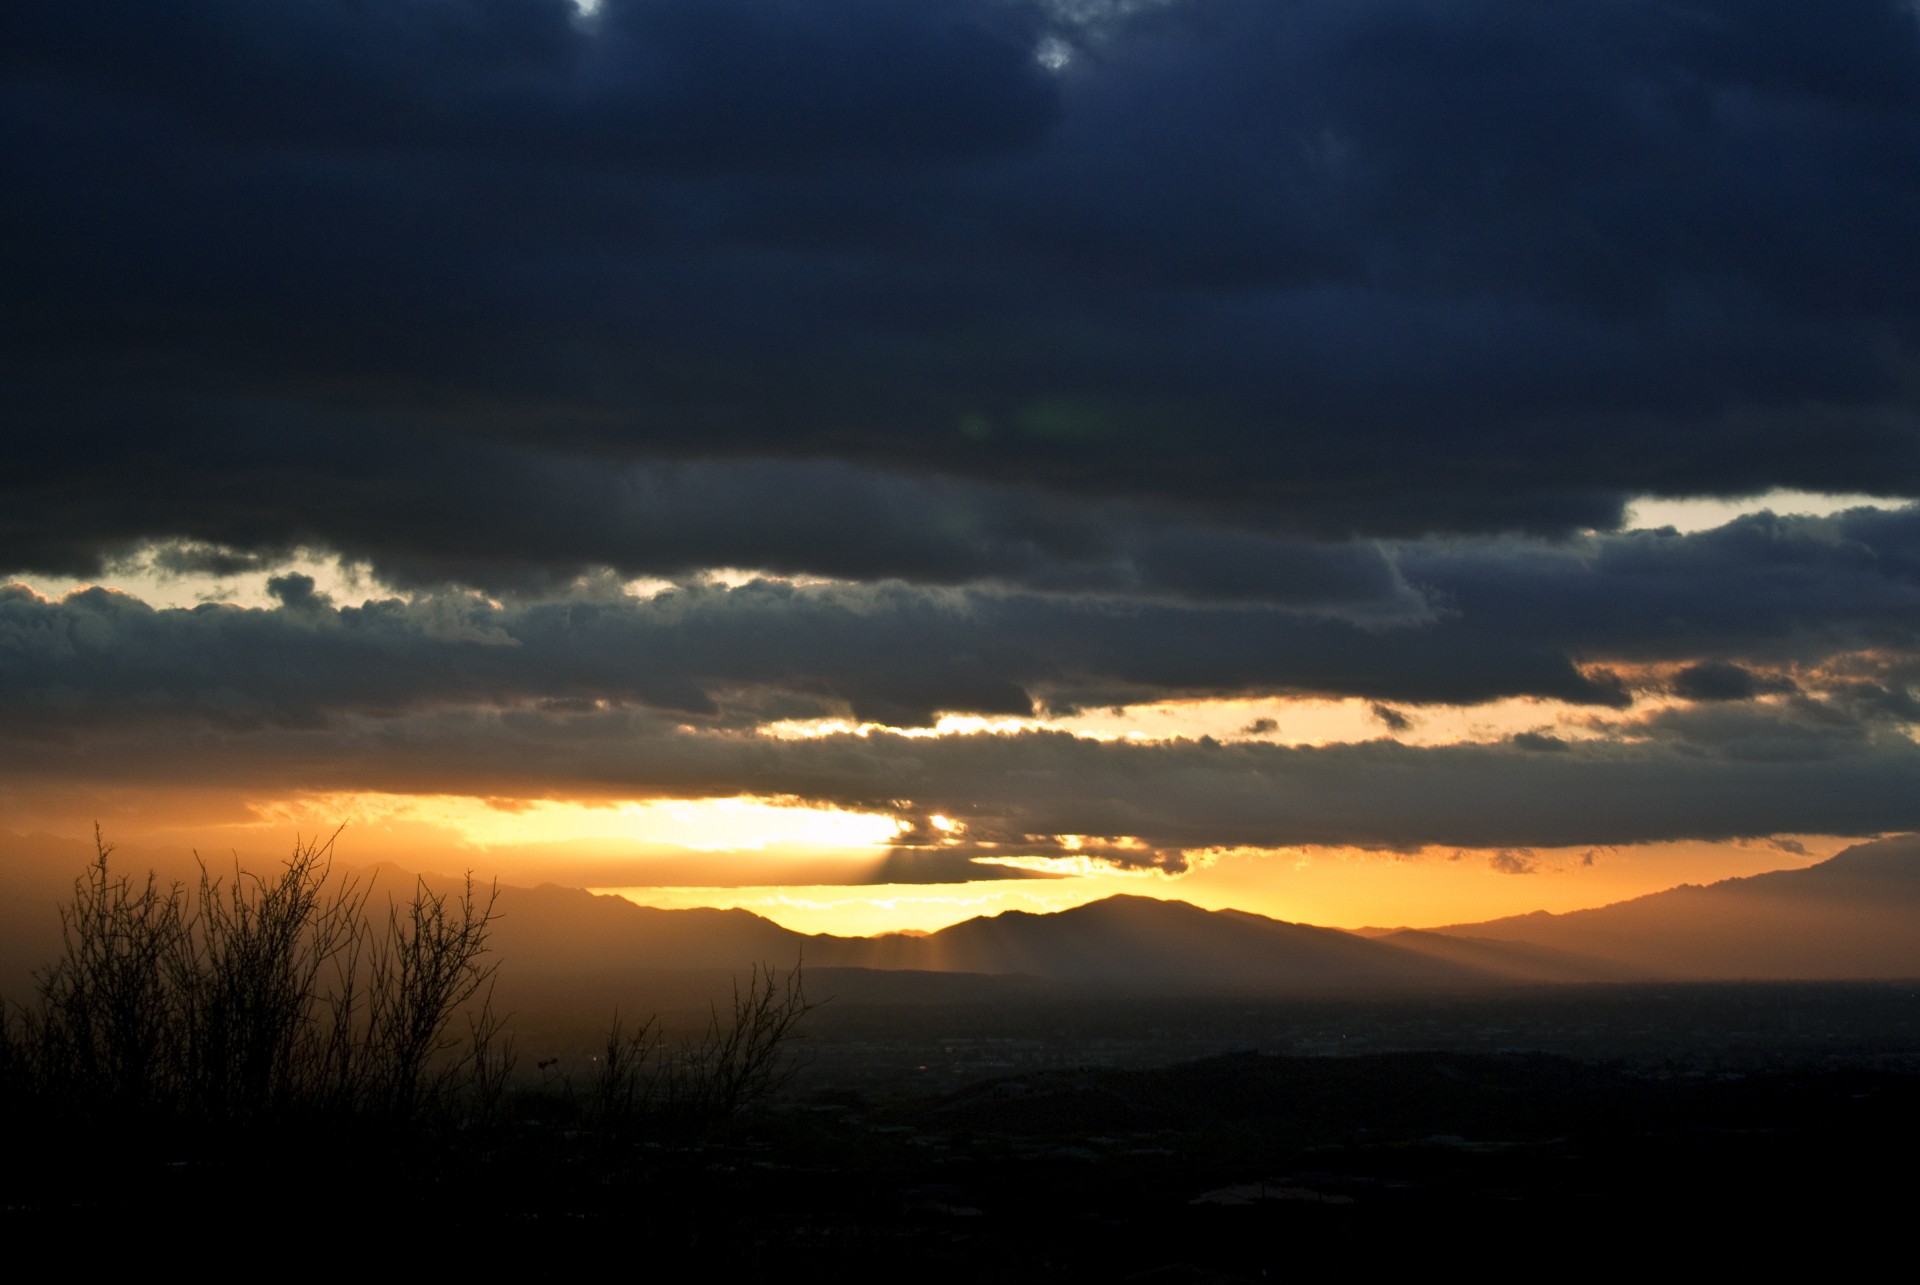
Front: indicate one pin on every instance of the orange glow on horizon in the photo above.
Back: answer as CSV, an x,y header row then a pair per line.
x,y
734,824
810,868
1333,888
871,909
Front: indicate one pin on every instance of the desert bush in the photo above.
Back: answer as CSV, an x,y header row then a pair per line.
x,y
260,998
622,1085
746,1054
209,1011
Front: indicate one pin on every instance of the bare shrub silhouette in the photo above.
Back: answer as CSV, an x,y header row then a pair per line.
x,y
205,1012
424,969
622,1086
744,1057
491,1060
748,1055
263,997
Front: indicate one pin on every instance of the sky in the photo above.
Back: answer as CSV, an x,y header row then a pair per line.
x,y
1363,461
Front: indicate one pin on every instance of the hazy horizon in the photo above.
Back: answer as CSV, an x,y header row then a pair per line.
x,y
845,903
847,909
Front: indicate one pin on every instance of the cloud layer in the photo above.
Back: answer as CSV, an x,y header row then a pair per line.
x,y
374,276
1832,600
1795,721
1047,793
1046,355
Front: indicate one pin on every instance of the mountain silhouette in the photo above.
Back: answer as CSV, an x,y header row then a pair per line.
x,y
1150,940
1140,940
1855,915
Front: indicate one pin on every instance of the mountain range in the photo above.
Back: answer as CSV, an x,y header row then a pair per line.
x,y
1856,915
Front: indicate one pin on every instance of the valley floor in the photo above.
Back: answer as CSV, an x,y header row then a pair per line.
x,y
1753,1149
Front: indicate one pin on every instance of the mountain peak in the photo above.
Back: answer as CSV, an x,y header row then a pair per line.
x,y
1850,916
1897,857
1129,902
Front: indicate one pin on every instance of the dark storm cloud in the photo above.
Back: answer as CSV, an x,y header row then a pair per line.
x,y
1514,861
1797,729
889,654
1025,791
1540,743
183,559
1718,680
1486,619
709,86
943,865
1394,720
378,277
1874,699
1097,353
1760,588
515,522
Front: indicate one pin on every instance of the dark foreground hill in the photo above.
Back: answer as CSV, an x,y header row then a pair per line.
x,y
1245,1167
